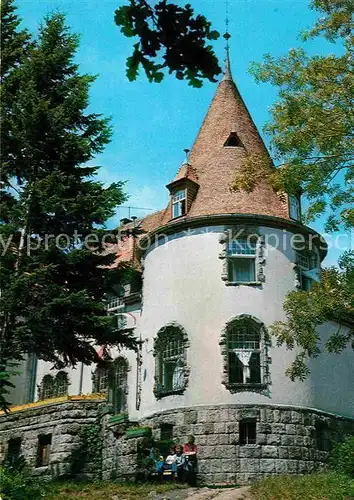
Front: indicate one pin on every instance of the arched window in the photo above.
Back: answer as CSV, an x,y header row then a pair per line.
x,y
53,387
171,373
117,384
244,347
46,389
61,384
100,379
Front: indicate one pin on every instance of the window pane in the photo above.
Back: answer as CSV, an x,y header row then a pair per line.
x,y
243,335
176,210
179,195
169,367
13,450
243,270
305,283
302,260
235,369
166,432
247,431
294,205
255,368
242,247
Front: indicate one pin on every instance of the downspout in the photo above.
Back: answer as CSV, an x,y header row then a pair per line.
x,y
81,378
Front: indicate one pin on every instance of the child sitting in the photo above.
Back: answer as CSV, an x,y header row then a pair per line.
x,y
157,459
170,461
180,460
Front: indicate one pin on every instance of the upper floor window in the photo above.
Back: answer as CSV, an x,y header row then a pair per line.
x,y
170,353
179,203
242,260
245,354
294,207
243,255
308,266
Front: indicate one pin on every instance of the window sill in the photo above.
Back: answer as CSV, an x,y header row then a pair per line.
x,y
245,283
261,388
164,393
41,469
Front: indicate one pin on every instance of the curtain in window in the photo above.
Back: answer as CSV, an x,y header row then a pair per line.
x,y
244,345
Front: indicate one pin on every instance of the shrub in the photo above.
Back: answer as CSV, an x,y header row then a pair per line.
x,y
341,457
17,484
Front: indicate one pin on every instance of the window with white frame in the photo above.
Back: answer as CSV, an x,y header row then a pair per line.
x,y
294,207
242,260
179,203
170,353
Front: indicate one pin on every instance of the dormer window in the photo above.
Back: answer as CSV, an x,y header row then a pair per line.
x,y
179,203
233,141
294,207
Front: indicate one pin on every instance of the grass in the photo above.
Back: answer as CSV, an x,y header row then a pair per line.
x,y
105,491
324,486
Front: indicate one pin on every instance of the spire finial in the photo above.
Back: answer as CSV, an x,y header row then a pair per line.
x,y
227,36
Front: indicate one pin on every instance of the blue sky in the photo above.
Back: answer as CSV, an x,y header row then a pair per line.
x,y
153,123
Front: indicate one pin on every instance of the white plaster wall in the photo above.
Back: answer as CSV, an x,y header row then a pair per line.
x,y
332,376
182,283
45,367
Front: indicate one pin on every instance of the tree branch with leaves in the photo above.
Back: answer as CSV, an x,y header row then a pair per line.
x,y
169,37
312,132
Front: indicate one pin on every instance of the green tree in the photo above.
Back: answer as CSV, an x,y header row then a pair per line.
x,y
54,275
312,140
169,36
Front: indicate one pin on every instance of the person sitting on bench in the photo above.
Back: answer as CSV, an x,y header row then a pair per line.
x,y
190,451
170,461
158,460
180,461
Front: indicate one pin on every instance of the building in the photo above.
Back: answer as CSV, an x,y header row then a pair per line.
x,y
216,266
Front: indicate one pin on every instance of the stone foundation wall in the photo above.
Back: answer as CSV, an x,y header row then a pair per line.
x,y
63,421
287,440
119,455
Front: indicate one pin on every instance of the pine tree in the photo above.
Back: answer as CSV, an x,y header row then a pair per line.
x,y
54,275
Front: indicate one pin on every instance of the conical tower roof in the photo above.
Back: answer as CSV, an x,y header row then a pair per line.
x,y
227,135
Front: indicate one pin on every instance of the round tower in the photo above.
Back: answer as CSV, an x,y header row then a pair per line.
x,y
218,264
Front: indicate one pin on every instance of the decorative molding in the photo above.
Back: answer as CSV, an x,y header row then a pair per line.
x,y
162,338
234,219
265,359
